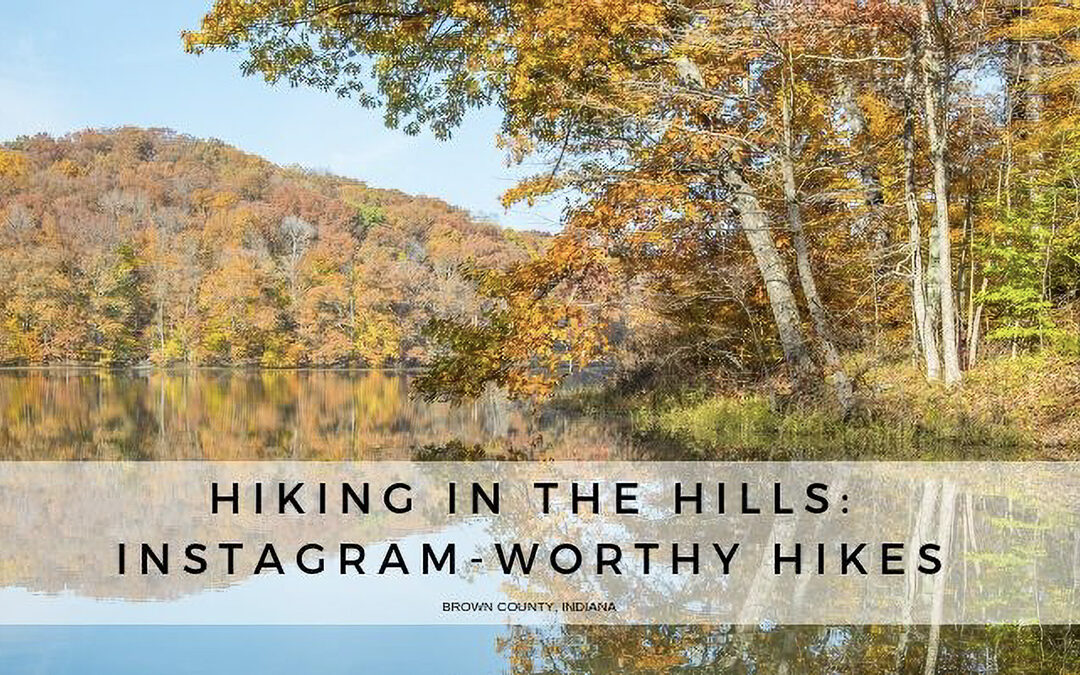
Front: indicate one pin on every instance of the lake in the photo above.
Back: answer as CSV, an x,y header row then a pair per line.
x,y
86,414
484,650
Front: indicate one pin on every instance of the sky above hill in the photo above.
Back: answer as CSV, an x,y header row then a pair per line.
x,y
66,66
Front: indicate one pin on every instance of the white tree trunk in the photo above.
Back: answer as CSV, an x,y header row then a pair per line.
x,y
755,225
937,136
835,375
946,516
923,326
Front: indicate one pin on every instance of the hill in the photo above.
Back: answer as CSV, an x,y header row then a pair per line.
x,y
129,246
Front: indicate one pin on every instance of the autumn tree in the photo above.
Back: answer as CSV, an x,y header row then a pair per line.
x,y
637,94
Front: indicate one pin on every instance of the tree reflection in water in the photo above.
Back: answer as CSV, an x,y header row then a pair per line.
x,y
794,649
73,414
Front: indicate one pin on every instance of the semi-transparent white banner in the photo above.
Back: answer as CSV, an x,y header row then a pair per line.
x,y
539,542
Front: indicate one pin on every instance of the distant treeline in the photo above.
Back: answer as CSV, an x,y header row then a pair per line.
x,y
129,246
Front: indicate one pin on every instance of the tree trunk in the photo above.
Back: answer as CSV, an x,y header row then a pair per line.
x,y
946,515
920,534
868,221
973,332
161,326
835,375
937,136
923,326
869,175
755,225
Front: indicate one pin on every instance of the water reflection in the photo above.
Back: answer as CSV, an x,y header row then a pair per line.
x,y
572,650
1000,548
230,414
233,414
205,414
197,650
602,650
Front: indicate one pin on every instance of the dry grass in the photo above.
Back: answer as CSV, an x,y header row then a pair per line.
x,y
1035,398
1009,408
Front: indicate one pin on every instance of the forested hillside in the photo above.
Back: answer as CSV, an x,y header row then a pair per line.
x,y
129,246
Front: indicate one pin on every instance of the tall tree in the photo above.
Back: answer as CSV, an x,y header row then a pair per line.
x,y
936,75
656,98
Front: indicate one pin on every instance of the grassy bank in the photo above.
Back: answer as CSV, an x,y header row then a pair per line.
x,y
1011,408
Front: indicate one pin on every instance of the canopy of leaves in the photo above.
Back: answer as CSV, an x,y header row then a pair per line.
x,y
636,106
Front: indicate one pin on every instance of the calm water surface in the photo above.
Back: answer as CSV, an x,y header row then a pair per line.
x,y
481,650
206,414
233,414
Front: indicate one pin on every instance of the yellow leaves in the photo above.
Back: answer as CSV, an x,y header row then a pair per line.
x,y
530,188
228,21
17,344
1048,20
214,200
415,26
517,145
646,237
67,168
811,104
879,114
546,339
238,313
1058,24
223,200
229,226
377,339
543,321
13,165
468,9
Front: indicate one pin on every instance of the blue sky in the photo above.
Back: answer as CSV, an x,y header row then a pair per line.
x,y
70,65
